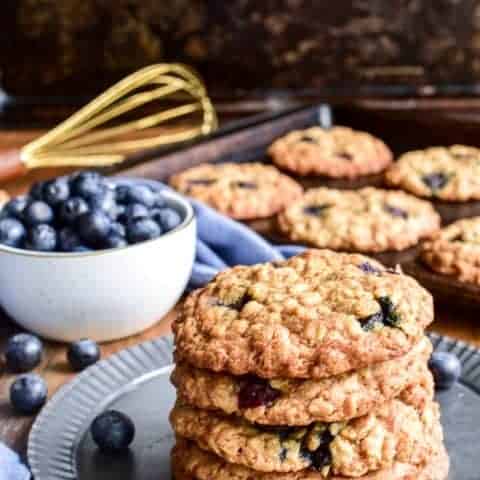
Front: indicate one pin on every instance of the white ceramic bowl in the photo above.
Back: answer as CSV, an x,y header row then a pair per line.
x,y
103,295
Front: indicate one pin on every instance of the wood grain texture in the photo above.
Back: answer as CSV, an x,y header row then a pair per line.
x,y
450,319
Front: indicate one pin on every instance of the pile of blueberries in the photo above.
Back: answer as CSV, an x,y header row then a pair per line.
x,y
112,431
83,212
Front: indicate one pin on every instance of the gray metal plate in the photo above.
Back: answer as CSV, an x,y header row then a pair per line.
x,y
136,381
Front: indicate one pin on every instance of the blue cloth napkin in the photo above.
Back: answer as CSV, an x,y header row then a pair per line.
x,y
223,243
11,468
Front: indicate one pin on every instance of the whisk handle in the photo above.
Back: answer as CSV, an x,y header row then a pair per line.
x,y
11,165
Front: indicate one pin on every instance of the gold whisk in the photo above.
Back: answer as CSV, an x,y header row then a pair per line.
x,y
83,140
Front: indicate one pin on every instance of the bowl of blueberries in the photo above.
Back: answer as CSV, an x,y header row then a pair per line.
x,y
90,256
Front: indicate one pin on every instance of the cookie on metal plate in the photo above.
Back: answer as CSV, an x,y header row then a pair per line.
x,y
401,430
336,152
189,462
315,315
242,191
447,173
455,251
365,220
297,402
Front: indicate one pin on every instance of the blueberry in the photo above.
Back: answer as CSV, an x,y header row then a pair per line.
x,y
246,185
36,192
141,194
205,182
38,212
87,184
56,191
256,392
68,240
134,211
12,232
118,229
115,241
72,209
23,352
446,369
93,227
141,229
160,201
42,238
435,181
386,315
105,201
112,431
167,218
28,393
369,268
82,354
121,193
395,211
15,207
315,210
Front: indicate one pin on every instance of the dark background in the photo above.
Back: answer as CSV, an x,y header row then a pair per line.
x,y
244,48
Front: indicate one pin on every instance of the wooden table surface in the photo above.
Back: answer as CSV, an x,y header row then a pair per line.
x,y
457,323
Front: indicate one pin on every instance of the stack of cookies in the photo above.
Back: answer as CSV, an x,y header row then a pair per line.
x,y
309,368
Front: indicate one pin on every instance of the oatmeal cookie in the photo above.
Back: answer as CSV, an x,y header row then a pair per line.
x,y
447,173
315,315
336,152
301,402
365,220
403,429
240,190
189,462
455,251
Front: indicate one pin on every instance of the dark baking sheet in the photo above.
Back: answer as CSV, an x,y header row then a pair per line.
x,y
136,381
249,140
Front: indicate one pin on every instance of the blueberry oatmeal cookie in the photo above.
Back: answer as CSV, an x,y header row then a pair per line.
x,y
336,152
447,173
455,251
403,429
301,402
192,463
365,220
241,191
314,315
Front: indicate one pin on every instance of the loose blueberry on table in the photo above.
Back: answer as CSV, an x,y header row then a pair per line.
x,y
84,212
112,431
23,352
446,369
82,354
28,394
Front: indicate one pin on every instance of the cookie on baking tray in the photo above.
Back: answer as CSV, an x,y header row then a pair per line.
x,y
365,220
336,152
447,173
314,315
455,251
243,191
301,402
